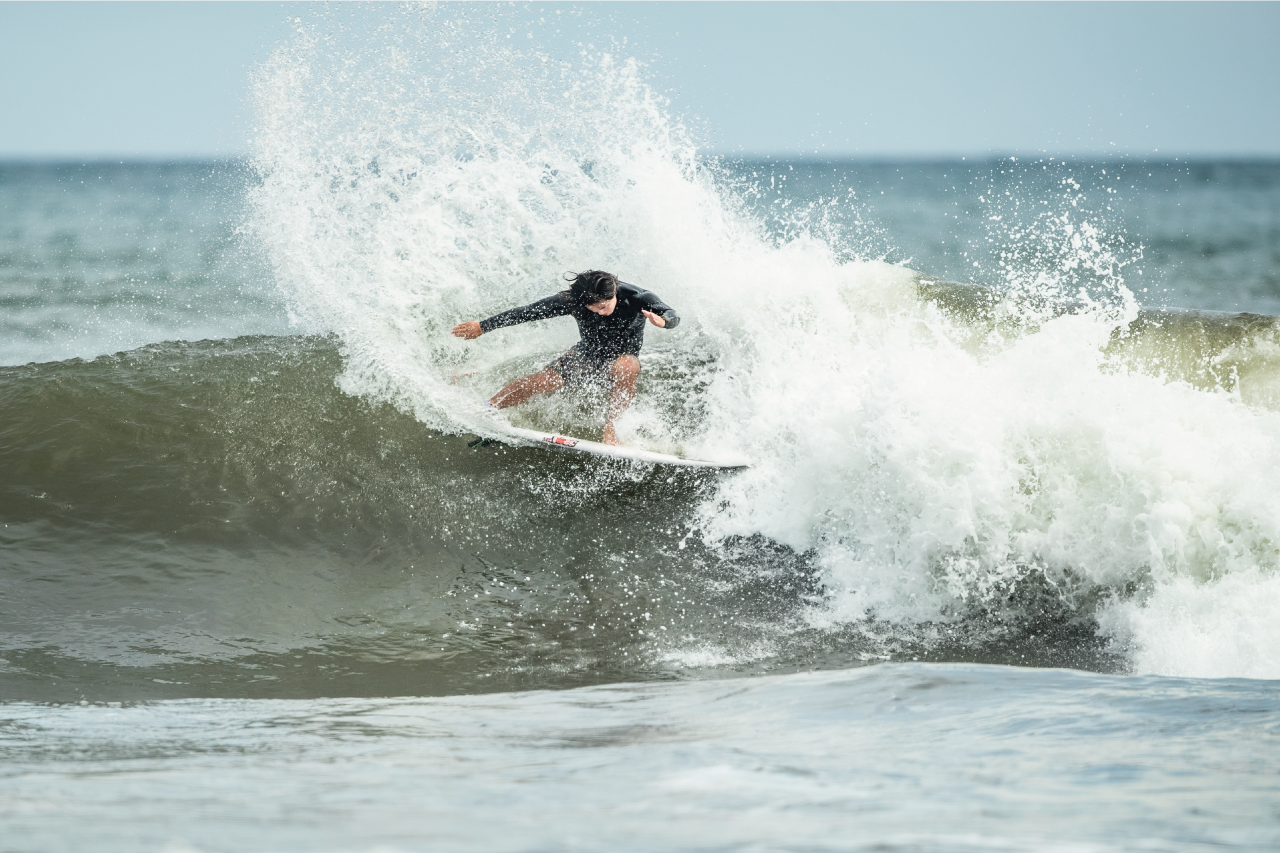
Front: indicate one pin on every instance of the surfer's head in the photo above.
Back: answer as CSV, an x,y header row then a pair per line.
x,y
593,289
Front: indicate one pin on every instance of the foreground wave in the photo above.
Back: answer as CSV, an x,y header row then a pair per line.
x,y
899,757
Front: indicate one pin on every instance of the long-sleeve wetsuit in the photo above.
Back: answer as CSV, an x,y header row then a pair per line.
x,y
620,333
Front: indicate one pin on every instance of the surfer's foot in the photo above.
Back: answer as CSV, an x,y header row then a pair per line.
x,y
609,436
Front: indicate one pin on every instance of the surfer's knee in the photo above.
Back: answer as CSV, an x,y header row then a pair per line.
x,y
625,367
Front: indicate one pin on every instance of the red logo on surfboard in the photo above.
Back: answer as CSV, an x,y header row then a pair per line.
x,y
561,440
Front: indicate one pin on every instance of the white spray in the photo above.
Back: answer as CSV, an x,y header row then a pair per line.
x,y
428,178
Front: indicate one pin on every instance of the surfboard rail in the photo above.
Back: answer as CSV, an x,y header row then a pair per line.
x,y
612,451
494,424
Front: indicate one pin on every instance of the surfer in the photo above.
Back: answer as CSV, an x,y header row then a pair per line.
x,y
611,317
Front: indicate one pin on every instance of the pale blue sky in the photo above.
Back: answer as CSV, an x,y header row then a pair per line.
x,y
839,79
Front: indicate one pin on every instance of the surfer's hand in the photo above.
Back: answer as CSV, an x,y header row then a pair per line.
x,y
654,319
468,331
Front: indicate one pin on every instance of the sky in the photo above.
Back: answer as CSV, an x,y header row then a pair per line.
x,y
834,79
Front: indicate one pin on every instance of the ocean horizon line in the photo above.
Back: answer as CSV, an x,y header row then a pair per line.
x,y
10,161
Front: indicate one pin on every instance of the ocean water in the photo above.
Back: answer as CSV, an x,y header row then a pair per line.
x,y
1003,573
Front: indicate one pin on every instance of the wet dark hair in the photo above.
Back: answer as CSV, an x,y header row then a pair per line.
x,y
591,287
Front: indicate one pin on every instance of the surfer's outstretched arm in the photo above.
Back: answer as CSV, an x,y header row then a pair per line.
x,y
553,306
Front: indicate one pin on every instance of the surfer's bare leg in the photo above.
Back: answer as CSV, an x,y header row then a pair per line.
x,y
527,387
624,371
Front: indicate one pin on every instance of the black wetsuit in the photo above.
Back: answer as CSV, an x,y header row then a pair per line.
x,y
603,338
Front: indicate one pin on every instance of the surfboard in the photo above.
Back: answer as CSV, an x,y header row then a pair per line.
x,y
508,433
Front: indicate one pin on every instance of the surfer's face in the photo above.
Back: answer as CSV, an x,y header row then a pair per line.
x,y
604,309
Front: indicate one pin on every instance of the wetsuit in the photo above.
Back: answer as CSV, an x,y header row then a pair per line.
x,y
603,338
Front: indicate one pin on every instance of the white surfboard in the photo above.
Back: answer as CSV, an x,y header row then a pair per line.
x,y
510,434
615,451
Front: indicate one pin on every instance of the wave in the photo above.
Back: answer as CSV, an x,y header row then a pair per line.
x,y
932,449
1035,472
219,518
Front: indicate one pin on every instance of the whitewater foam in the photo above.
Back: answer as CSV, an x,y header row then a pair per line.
x,y
933,466
1225,628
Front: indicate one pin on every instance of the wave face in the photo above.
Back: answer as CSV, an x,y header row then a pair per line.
x,y
1038,472
219,519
